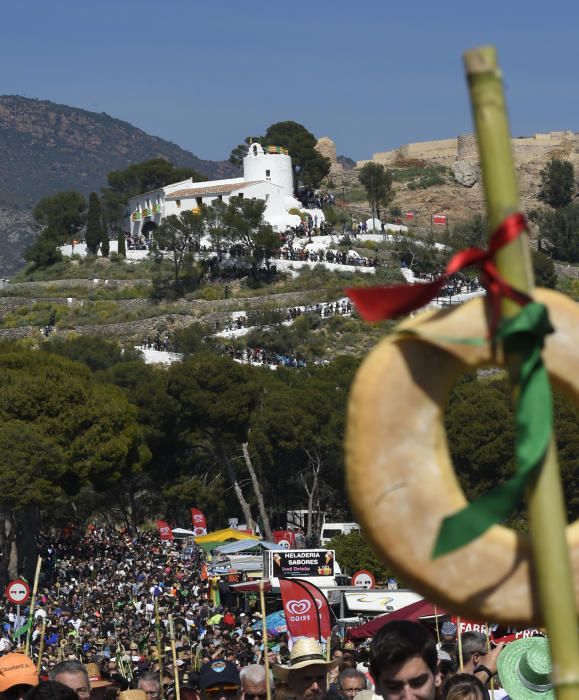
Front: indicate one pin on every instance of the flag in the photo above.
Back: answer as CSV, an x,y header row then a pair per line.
x,y
323,608
164,531
305,613
22,630
199,522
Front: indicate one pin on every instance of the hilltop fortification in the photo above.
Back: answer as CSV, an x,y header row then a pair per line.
x,y
527,149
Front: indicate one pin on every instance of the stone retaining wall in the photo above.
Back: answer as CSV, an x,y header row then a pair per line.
x,y
71,283
565,270
187,312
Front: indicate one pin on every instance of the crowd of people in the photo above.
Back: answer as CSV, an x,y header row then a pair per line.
x,y
156,342
325,309
311,198
260,356
130,617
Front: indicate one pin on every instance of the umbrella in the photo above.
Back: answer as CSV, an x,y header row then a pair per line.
x,y
413,612
275,623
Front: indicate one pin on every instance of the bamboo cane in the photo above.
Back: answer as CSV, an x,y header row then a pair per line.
x,y
159,649
41,646
546,505
459,644
492,678
436,625
264,639
174,655
32,603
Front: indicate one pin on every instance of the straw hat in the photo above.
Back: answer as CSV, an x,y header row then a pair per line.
x,y
305,652
95,678
524,668
133,695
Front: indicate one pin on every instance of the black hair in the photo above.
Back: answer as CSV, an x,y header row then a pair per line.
x,y
399,641
464,685
51,690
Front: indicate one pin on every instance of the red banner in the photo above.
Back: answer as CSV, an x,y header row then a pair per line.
x,y
164,531
439,219
306,609
199,522
498,633
323,608
285,538
409,216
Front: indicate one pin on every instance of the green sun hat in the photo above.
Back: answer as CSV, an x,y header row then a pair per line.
x,y
524,668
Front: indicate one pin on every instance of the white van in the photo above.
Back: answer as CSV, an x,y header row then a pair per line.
x,y
331,530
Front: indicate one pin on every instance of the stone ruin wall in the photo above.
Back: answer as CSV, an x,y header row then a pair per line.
x,y
327,148
539,147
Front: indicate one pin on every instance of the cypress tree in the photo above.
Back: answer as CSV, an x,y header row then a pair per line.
x,y
105,244
94,227
121,247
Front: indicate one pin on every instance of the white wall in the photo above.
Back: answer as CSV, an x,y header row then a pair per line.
x,y
256,164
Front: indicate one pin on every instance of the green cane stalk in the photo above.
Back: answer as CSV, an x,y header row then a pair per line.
x,y
547,519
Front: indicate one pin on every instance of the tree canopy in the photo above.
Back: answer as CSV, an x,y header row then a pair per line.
x,y
559,232
62,215
136,179
378,184
309,165
557,183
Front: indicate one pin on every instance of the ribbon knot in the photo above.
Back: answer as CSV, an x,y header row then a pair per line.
x,y
379,303
523,335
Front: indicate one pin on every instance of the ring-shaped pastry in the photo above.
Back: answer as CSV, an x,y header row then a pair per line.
x,y
400,475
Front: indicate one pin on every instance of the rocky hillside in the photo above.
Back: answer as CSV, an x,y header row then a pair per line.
x,y
47,148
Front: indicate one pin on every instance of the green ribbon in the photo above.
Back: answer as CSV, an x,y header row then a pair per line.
x,y
522,335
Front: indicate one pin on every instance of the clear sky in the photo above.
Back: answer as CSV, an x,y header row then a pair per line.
x,y
370,74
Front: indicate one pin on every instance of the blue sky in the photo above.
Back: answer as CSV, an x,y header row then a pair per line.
x,y
371,75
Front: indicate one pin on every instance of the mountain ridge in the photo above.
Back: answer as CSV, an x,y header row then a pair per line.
x,y
49,147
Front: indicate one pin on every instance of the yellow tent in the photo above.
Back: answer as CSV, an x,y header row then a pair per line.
x,y
214,539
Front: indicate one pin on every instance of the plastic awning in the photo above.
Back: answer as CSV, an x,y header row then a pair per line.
x,y
414,612
243,545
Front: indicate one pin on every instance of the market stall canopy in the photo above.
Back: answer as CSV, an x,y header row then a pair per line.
x,y
251,586
244,545
420,610
213,539
181,532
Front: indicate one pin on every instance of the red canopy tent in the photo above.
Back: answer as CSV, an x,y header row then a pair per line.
x,y
422,609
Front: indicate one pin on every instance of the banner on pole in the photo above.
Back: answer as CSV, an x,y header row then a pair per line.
x,y
164,531
199,522
306,608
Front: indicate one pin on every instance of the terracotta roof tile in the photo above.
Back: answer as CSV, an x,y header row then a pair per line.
x,y
202,190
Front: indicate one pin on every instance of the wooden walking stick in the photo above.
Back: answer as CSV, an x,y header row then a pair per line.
x,y
41,646
32,603
264,639
159,647
174,655
546,506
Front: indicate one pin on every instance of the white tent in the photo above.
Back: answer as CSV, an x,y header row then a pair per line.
x,y
181,532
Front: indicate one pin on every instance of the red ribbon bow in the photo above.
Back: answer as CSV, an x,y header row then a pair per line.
x,y
379,303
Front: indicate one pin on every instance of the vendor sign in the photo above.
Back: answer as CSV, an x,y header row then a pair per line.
x,y
302,563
